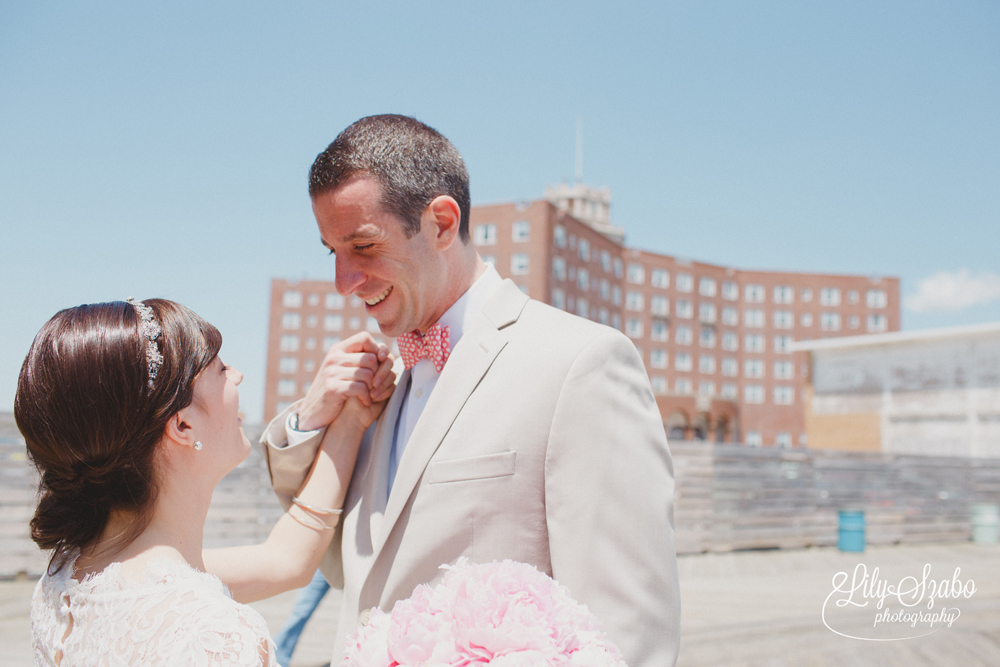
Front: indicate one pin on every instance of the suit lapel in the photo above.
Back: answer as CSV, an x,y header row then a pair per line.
x,y
468,363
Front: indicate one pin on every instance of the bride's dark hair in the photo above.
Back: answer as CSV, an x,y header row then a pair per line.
x,y
92,421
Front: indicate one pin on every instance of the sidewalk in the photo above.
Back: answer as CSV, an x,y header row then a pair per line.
x,y
739,609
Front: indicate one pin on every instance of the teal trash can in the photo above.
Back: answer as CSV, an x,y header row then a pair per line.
x,y
852,531
985,523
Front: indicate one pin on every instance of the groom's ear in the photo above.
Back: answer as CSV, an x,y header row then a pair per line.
x,y
445,216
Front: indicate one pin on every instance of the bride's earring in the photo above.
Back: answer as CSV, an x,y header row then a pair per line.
x,y
197,446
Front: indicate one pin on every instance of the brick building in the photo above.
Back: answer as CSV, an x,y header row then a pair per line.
x,y
715,340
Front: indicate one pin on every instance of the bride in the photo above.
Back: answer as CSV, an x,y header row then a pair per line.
x,y
132,420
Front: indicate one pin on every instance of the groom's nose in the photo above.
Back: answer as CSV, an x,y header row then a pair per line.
x,y
348,277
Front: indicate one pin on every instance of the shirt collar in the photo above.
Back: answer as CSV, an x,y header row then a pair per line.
x,y
461,314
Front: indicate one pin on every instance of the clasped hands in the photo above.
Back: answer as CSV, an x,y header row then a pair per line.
x,y
352,384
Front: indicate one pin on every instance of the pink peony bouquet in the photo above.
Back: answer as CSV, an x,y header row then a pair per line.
x,y
501,614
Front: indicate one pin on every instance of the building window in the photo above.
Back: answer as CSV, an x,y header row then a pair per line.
x,y
659,331
683,386
807,295
371,324
286,387
784,294
311,322
617,263
519,263
730,342
784,395
784,370
876,298
616,295
583,250
753,294
559,298
660,278
753,368
329,342
706,364
685,283
658,359
636,274
852,296
354,324
605,289
706,388
706,286
784,319
753,318
520,232
753,343
782,344
606,261
806,320
878,323
658,383
333,322
633,301
730,291
730,316
753,393
334,301
485,234
490,259
753,437
582,308
288,365
783,440
683,336
314,299
730,367
829,296
356,301
683,361
659,305
602,316
559,268
829,322
291,321
559,236
685,309
291,299
583,279
633,327
707,337
706,312
854,321
310,343
616,321
729,391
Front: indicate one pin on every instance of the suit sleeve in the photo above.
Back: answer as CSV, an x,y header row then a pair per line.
x,y
288,465
609,489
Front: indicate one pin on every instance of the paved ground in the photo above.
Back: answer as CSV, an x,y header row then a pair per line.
x,y
740,609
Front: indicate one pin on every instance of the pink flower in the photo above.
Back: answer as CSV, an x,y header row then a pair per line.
x,y
503,614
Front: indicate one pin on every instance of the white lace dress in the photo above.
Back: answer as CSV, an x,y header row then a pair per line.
x,y
175,616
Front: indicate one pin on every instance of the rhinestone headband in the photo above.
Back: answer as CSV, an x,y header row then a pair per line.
x,y
150,330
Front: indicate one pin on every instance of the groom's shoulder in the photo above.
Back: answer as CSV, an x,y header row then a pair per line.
x,y
559,328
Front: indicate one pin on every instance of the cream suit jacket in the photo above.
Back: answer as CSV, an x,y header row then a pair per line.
x,y
541,443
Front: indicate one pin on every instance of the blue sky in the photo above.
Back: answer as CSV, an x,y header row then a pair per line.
x,y
161,149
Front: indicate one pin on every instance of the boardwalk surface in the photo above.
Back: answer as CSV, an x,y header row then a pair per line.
x,y
740,609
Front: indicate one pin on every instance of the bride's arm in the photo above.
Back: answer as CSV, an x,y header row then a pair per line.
x,y
293,550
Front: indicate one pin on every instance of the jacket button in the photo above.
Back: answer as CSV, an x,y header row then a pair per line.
x,y
365,616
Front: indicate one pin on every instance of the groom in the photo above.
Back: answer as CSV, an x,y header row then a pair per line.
x,y
516,431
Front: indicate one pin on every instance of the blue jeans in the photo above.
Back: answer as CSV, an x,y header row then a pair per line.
x,y
305,604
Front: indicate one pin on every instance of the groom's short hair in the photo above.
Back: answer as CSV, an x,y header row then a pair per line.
x,y
414,163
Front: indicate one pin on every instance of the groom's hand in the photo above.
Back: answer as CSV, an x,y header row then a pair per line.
x,y
360,367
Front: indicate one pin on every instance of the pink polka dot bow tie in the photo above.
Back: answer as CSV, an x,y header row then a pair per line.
x,y
435,345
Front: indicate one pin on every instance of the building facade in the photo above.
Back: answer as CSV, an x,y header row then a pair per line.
x,y
934,392
715,340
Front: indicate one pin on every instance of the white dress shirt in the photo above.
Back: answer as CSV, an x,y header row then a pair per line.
x,y
423,376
